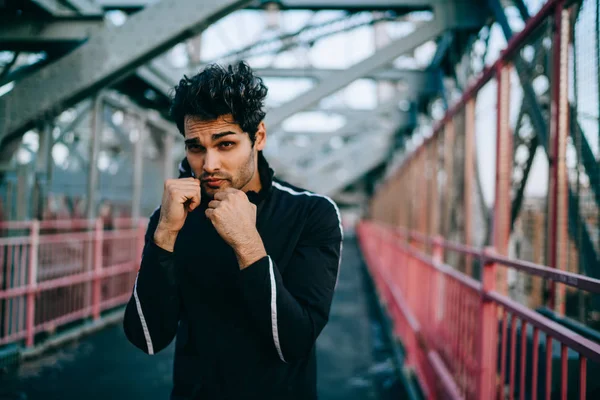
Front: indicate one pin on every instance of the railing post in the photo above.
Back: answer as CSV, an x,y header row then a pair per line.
x,y
469,176
448,196
559,133
438,292
412,284
504,160
97,271
489,330
34,240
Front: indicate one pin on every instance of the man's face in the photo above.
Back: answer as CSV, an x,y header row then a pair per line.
x,y
220,154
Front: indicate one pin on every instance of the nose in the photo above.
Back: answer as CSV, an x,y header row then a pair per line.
x,y
212,162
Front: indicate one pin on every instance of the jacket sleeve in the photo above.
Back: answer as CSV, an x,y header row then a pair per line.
x,y
292,310
152,313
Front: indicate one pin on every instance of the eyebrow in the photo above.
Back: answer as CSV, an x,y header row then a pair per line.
x,y
215,136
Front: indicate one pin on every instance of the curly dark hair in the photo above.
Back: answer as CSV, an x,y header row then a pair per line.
x,y
217,91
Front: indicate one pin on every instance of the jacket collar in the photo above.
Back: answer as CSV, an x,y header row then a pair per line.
x,y
265,172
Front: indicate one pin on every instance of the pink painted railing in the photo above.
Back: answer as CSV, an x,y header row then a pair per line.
x,y
54,273
456,329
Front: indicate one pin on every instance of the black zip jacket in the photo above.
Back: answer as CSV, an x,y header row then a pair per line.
x,y
246,334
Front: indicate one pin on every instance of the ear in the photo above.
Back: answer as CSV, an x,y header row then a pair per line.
x,y
261,136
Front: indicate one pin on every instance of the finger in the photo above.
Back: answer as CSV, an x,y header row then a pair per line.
x,y
209,213
189,196
194,201
186,184
214,203
220,195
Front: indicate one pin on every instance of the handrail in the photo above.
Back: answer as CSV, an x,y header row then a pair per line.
x,y
573,340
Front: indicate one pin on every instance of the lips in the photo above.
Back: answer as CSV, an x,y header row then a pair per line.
x,y
213,182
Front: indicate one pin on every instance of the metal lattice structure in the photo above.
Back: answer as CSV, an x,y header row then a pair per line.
x,y
114,47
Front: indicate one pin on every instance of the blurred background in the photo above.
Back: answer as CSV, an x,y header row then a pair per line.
x,y
460,139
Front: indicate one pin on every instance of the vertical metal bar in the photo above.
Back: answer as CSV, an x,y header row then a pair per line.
x,y
22,314
439,289
468,178
582,377
168,166
43,168
32,281
423,195
9,285
558,185
138,160
504,150
488,339
548,366
98,244
449,134
95,142
563,371
534,363
503,352
23,191
513,355
460,322
455,319
433,190
523,358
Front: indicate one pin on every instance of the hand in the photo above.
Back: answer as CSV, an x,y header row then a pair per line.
x,y
234,218
232,215
180,196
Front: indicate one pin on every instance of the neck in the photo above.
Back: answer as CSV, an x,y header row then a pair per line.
x,y
254,185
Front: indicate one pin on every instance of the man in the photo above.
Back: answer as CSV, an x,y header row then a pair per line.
x,y
239,266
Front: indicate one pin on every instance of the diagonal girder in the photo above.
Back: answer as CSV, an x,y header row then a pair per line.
x,y
330,172
344,166
106,57
357,123
338,81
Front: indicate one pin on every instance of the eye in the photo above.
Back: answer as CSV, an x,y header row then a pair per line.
x,y
226,145
194,148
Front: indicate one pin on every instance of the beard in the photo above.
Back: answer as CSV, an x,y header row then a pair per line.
x,y
238,180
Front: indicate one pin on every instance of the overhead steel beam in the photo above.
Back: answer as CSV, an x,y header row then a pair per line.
x,y
333,173
163,78
121,103
378,127
106,57
337,81
411,77
351,5
132,5
357,5
54,7
86,7
38,35
357,122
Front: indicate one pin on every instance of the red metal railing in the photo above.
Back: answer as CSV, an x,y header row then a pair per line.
x,y
57,272
457,330
449,298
